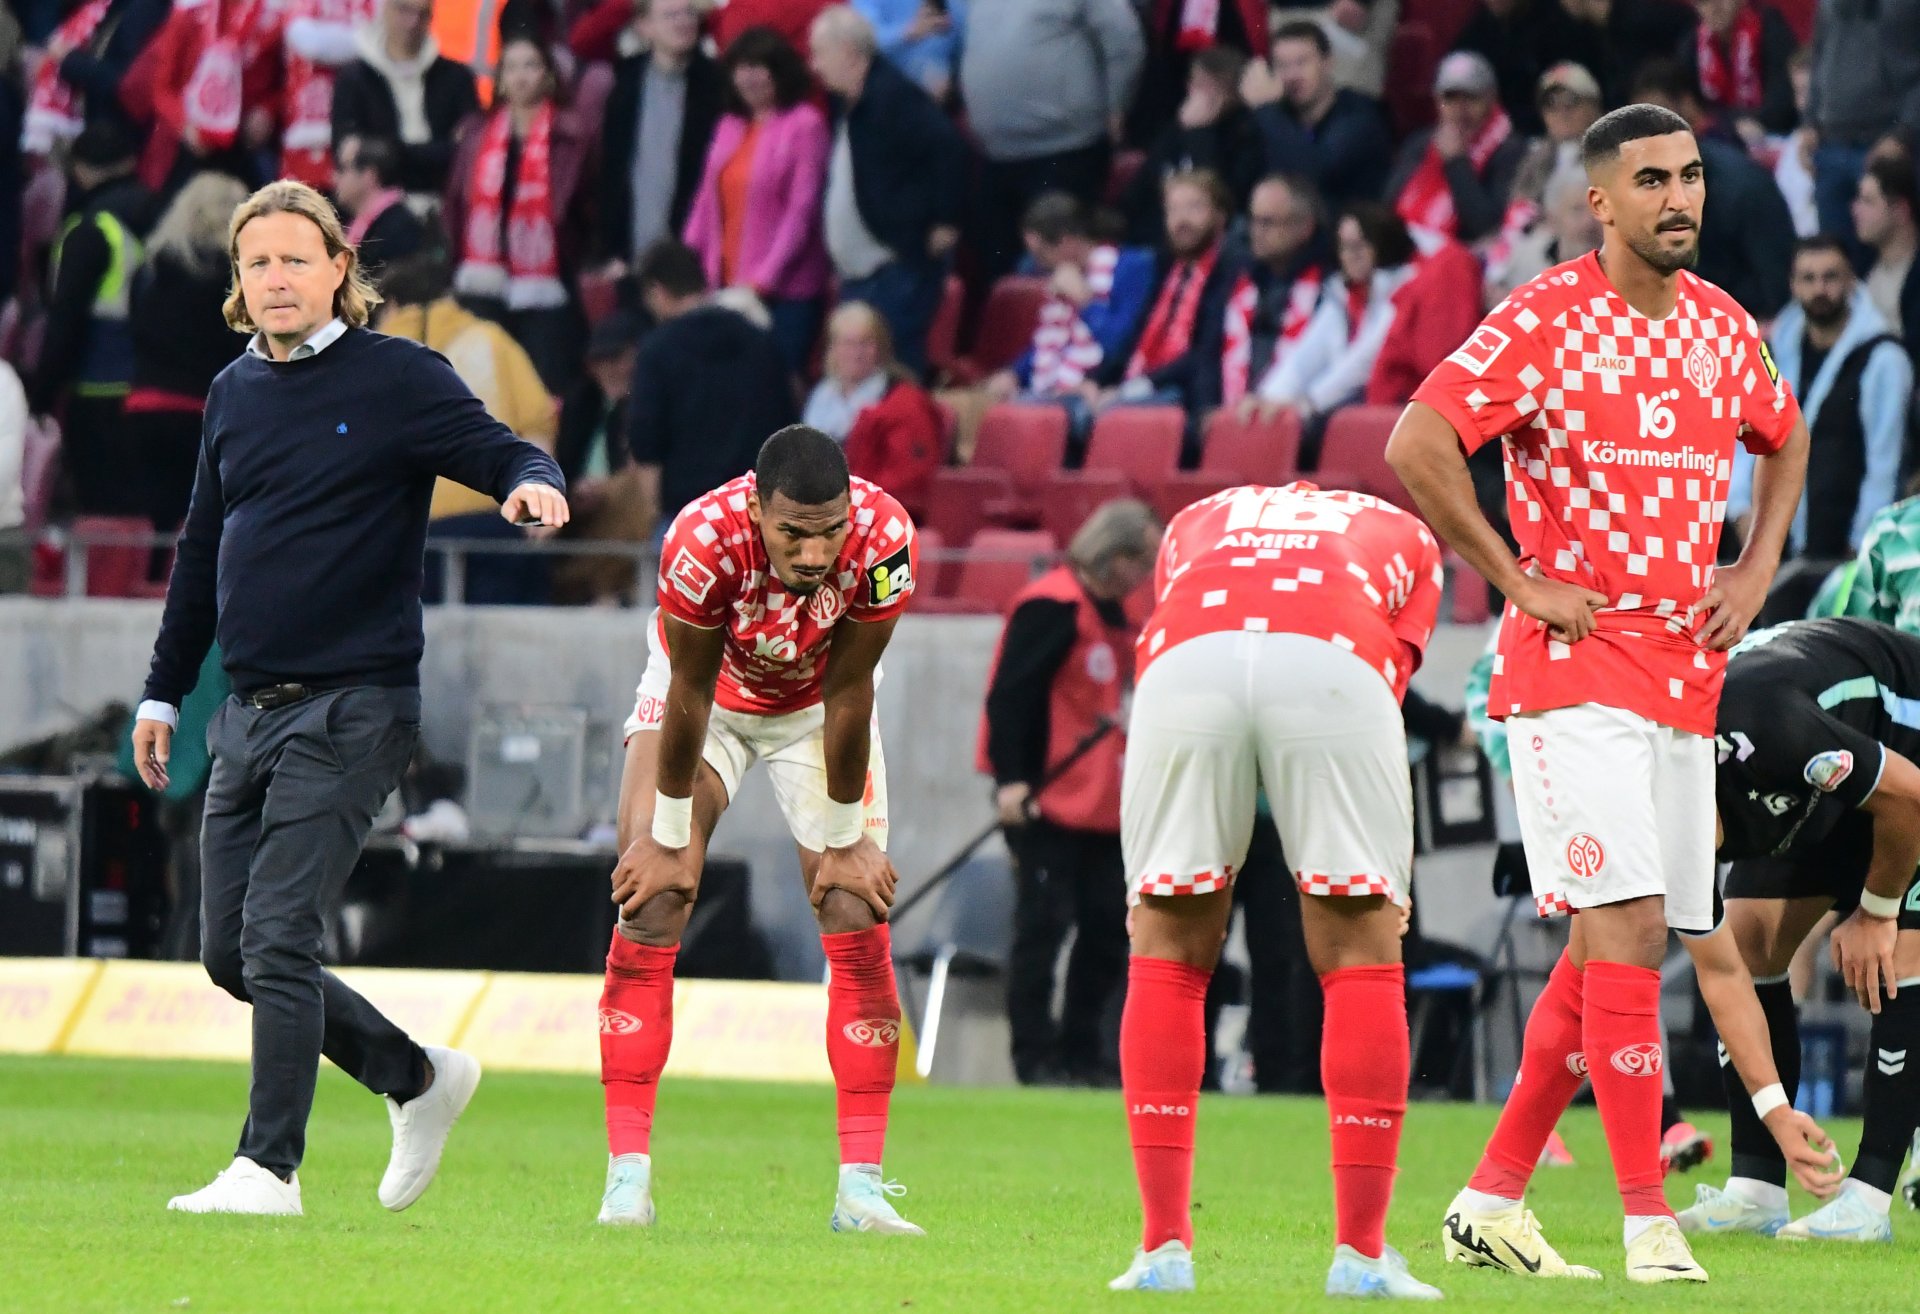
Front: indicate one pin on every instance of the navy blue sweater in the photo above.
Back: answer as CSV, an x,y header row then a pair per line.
x,y
303,545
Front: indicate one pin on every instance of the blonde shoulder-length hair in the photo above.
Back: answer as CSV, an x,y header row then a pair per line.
x,y
355,300
193,231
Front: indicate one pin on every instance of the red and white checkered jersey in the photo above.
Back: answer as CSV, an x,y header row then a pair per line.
x,y
1339,566
1619,434
714,573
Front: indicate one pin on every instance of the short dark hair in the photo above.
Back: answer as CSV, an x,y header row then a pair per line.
x,y
802,465
673,267
380,156
763,47
103,144
1304,29
1819,243
1895,175
1602,142
1224,65
1304,191
1384,230
1206,180
417,280
1052,216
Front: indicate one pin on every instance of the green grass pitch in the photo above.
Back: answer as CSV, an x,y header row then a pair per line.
x,y
1027,1197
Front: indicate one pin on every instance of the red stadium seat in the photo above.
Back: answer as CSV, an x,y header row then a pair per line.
x,y
1140,442
1007,322
999,563
1355,445
1471,596
957,501
1028,442
1181,490
932,549
1073,495
949,429
943,334
115,570
1256,452
599,296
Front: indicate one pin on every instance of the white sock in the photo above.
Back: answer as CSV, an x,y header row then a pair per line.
x,y
1764,1195
1881,1201
1636,1224
1481,1202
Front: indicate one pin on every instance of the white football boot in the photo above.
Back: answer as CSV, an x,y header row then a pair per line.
x,y
1385,1278
1167,1267
628,1200
1849,1216
421,1125
1661,1254
1716,1210
243,1188
861,1204
1507,1239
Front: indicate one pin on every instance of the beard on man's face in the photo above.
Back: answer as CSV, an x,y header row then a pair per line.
x,y
1824,311
1668,259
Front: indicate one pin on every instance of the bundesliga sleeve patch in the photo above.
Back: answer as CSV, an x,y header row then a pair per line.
x,y
691,577
1477,354
890,579
1773,371
1826,771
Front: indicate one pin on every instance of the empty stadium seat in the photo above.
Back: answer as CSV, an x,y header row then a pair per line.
x,y
1140,442
1355,445
116,570
1073,495
1258,451
957,501
1472,600
1182,489
943,334
1028,442
998,565
1006,329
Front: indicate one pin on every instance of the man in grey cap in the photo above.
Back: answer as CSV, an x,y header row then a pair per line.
x,y
1569,100
1452,181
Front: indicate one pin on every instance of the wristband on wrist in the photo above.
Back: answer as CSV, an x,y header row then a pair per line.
x,y
672,821
845,824
1879,905
1765,1101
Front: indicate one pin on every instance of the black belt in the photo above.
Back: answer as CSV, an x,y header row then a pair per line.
x,y
278,695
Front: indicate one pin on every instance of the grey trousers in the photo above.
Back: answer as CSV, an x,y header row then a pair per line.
x,y
291,797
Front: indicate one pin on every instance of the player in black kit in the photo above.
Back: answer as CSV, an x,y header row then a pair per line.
x,y
1819,803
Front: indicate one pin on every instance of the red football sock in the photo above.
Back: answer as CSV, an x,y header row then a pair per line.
x,y
1552,1066
1623,1053
863,1036
636,1031
1364,1065
1163,1053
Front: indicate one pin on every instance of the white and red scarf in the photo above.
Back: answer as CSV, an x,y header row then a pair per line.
x,y
1199,24
238,32
55,111
1730,65
1065,351
1236,359
527,274
1170,323
1426,202
307,143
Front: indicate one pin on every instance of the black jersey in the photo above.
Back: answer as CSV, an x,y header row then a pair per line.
x,y
1808,710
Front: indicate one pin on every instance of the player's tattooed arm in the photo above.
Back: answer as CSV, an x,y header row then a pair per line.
x,y
859,868
1740,590
1864,944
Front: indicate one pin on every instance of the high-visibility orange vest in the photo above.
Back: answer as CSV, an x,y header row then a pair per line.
x,y
468,32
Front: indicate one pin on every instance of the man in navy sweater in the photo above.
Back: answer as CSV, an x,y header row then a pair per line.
x,y
302,554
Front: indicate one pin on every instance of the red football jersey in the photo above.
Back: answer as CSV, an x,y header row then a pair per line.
x,y
714,573
1339,566
1619,434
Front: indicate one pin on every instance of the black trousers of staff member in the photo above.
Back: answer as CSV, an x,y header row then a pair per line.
x,y
1067,880
293,792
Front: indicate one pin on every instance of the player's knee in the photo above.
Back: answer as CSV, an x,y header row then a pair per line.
x,y
224,967
841,911
1632,932
661,919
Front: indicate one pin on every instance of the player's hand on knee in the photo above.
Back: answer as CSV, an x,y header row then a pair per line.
x,y
1567,610
862,870
1863,948
648,869
1808,1149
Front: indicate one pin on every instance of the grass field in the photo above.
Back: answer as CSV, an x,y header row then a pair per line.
x,y
1027,1197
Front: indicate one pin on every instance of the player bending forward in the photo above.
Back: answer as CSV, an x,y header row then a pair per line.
x,y
1286,624
1618,384
778,593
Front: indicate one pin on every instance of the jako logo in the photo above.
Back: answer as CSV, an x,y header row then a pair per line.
x,y
1656,417
1642,1060
1165,1110
613,1022
1360,1120
1577,1063
873,1032
1585,857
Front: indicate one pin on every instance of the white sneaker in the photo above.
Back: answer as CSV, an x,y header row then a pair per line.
x,y
1167,1267
1715,1210
1846,1217
421,1125
861,1204
1661,1254
244,1188
1385,1278
1507,1239
628,1199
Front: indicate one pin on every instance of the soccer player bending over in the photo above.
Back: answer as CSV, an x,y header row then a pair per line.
x,y
1618,384
778,593
1286,624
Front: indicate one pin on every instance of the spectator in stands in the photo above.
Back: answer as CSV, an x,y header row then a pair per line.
x,y
517,212
1433,313
603,487
401,88
1359,32
77,77
1453,180
1569,102
1612,38
708,387
1278,289
16,557
383,227
180,342
1884,212
1564,230
1096,294
1047,84
660,117
1061,674
1746,234
1211,130
1329,365
893,199
1793,160
207,92
317,42
1866,87
1738,52
1314,128
893,433
420,307
1506,33
86,357
756,220
1855,383
1173,357
921,38
1177,34
790,19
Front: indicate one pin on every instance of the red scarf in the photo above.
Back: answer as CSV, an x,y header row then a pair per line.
x,y
55,110
381,202
307,144
1170,323
1236,360
1730,65
528,275
238,33
1426,202
1358,295
1199,22
1064,348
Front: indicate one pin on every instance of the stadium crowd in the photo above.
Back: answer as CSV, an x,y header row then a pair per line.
x,y
1247,225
